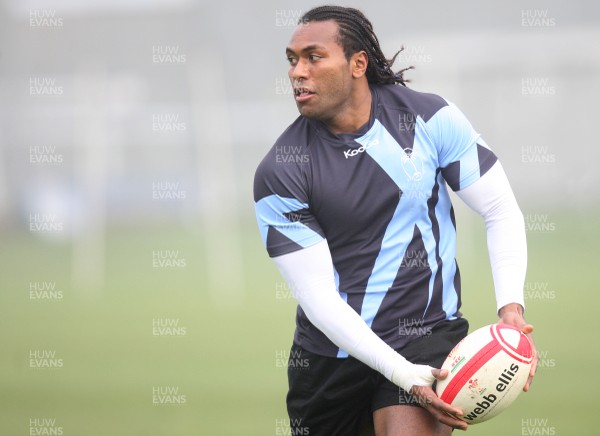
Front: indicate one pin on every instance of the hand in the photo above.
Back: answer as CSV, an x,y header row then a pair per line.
x,y
512,314
442,411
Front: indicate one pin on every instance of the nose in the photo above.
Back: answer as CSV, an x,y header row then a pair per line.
x,y
299,71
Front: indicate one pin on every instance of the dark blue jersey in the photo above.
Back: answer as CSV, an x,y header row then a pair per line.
x,y
379,197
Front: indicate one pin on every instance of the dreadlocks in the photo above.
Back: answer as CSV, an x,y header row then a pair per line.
x,y
356,34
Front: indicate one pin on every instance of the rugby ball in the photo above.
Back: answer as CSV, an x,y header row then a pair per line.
x,y
486,371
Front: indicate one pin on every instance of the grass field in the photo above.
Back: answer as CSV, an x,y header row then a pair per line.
x,y
214,368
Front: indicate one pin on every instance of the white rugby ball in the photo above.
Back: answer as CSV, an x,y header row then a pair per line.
x,y
486,371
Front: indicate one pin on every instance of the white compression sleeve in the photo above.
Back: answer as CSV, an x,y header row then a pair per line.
x,y
309,274
492,197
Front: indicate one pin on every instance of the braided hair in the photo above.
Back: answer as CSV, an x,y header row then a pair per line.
x,y
356,34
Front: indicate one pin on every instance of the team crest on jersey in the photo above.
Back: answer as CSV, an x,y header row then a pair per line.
x,y
412,164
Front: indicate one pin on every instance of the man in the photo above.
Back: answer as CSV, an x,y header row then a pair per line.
x,y
352,204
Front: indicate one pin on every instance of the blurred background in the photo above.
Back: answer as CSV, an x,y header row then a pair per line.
x,y
136,297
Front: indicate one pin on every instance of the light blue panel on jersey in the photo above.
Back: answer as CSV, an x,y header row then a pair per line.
x,y
469,167
341,353
422,141
270,212
447,247
457,142
410,175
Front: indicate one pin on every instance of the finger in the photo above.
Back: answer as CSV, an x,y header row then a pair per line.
x,y
441,410
528,384
532,370
427,398
448,419
527,329
438,404
446,408
452,422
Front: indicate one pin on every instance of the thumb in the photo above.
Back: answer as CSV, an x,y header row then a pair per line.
x,y
439,374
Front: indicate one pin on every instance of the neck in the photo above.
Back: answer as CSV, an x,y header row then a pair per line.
x,y
354,115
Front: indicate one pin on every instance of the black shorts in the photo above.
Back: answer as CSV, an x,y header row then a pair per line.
x,y
330,396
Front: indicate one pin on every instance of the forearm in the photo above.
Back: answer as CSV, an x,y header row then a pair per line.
x,y
492,197
309,273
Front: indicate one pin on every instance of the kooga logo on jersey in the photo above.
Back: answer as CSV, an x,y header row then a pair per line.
x,y
354,151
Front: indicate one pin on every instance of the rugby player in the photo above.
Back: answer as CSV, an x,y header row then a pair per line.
x,y
353,206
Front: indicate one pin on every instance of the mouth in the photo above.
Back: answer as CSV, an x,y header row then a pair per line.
x,y
302,94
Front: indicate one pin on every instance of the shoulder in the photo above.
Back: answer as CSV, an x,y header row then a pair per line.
x,y
285,163
300,133
440,117
422,104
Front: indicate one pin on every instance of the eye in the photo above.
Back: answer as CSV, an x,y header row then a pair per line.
x,y
291,60
314,57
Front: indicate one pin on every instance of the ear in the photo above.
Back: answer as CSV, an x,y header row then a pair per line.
x,y
358,64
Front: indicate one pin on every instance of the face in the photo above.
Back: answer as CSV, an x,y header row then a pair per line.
x,y
320,73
